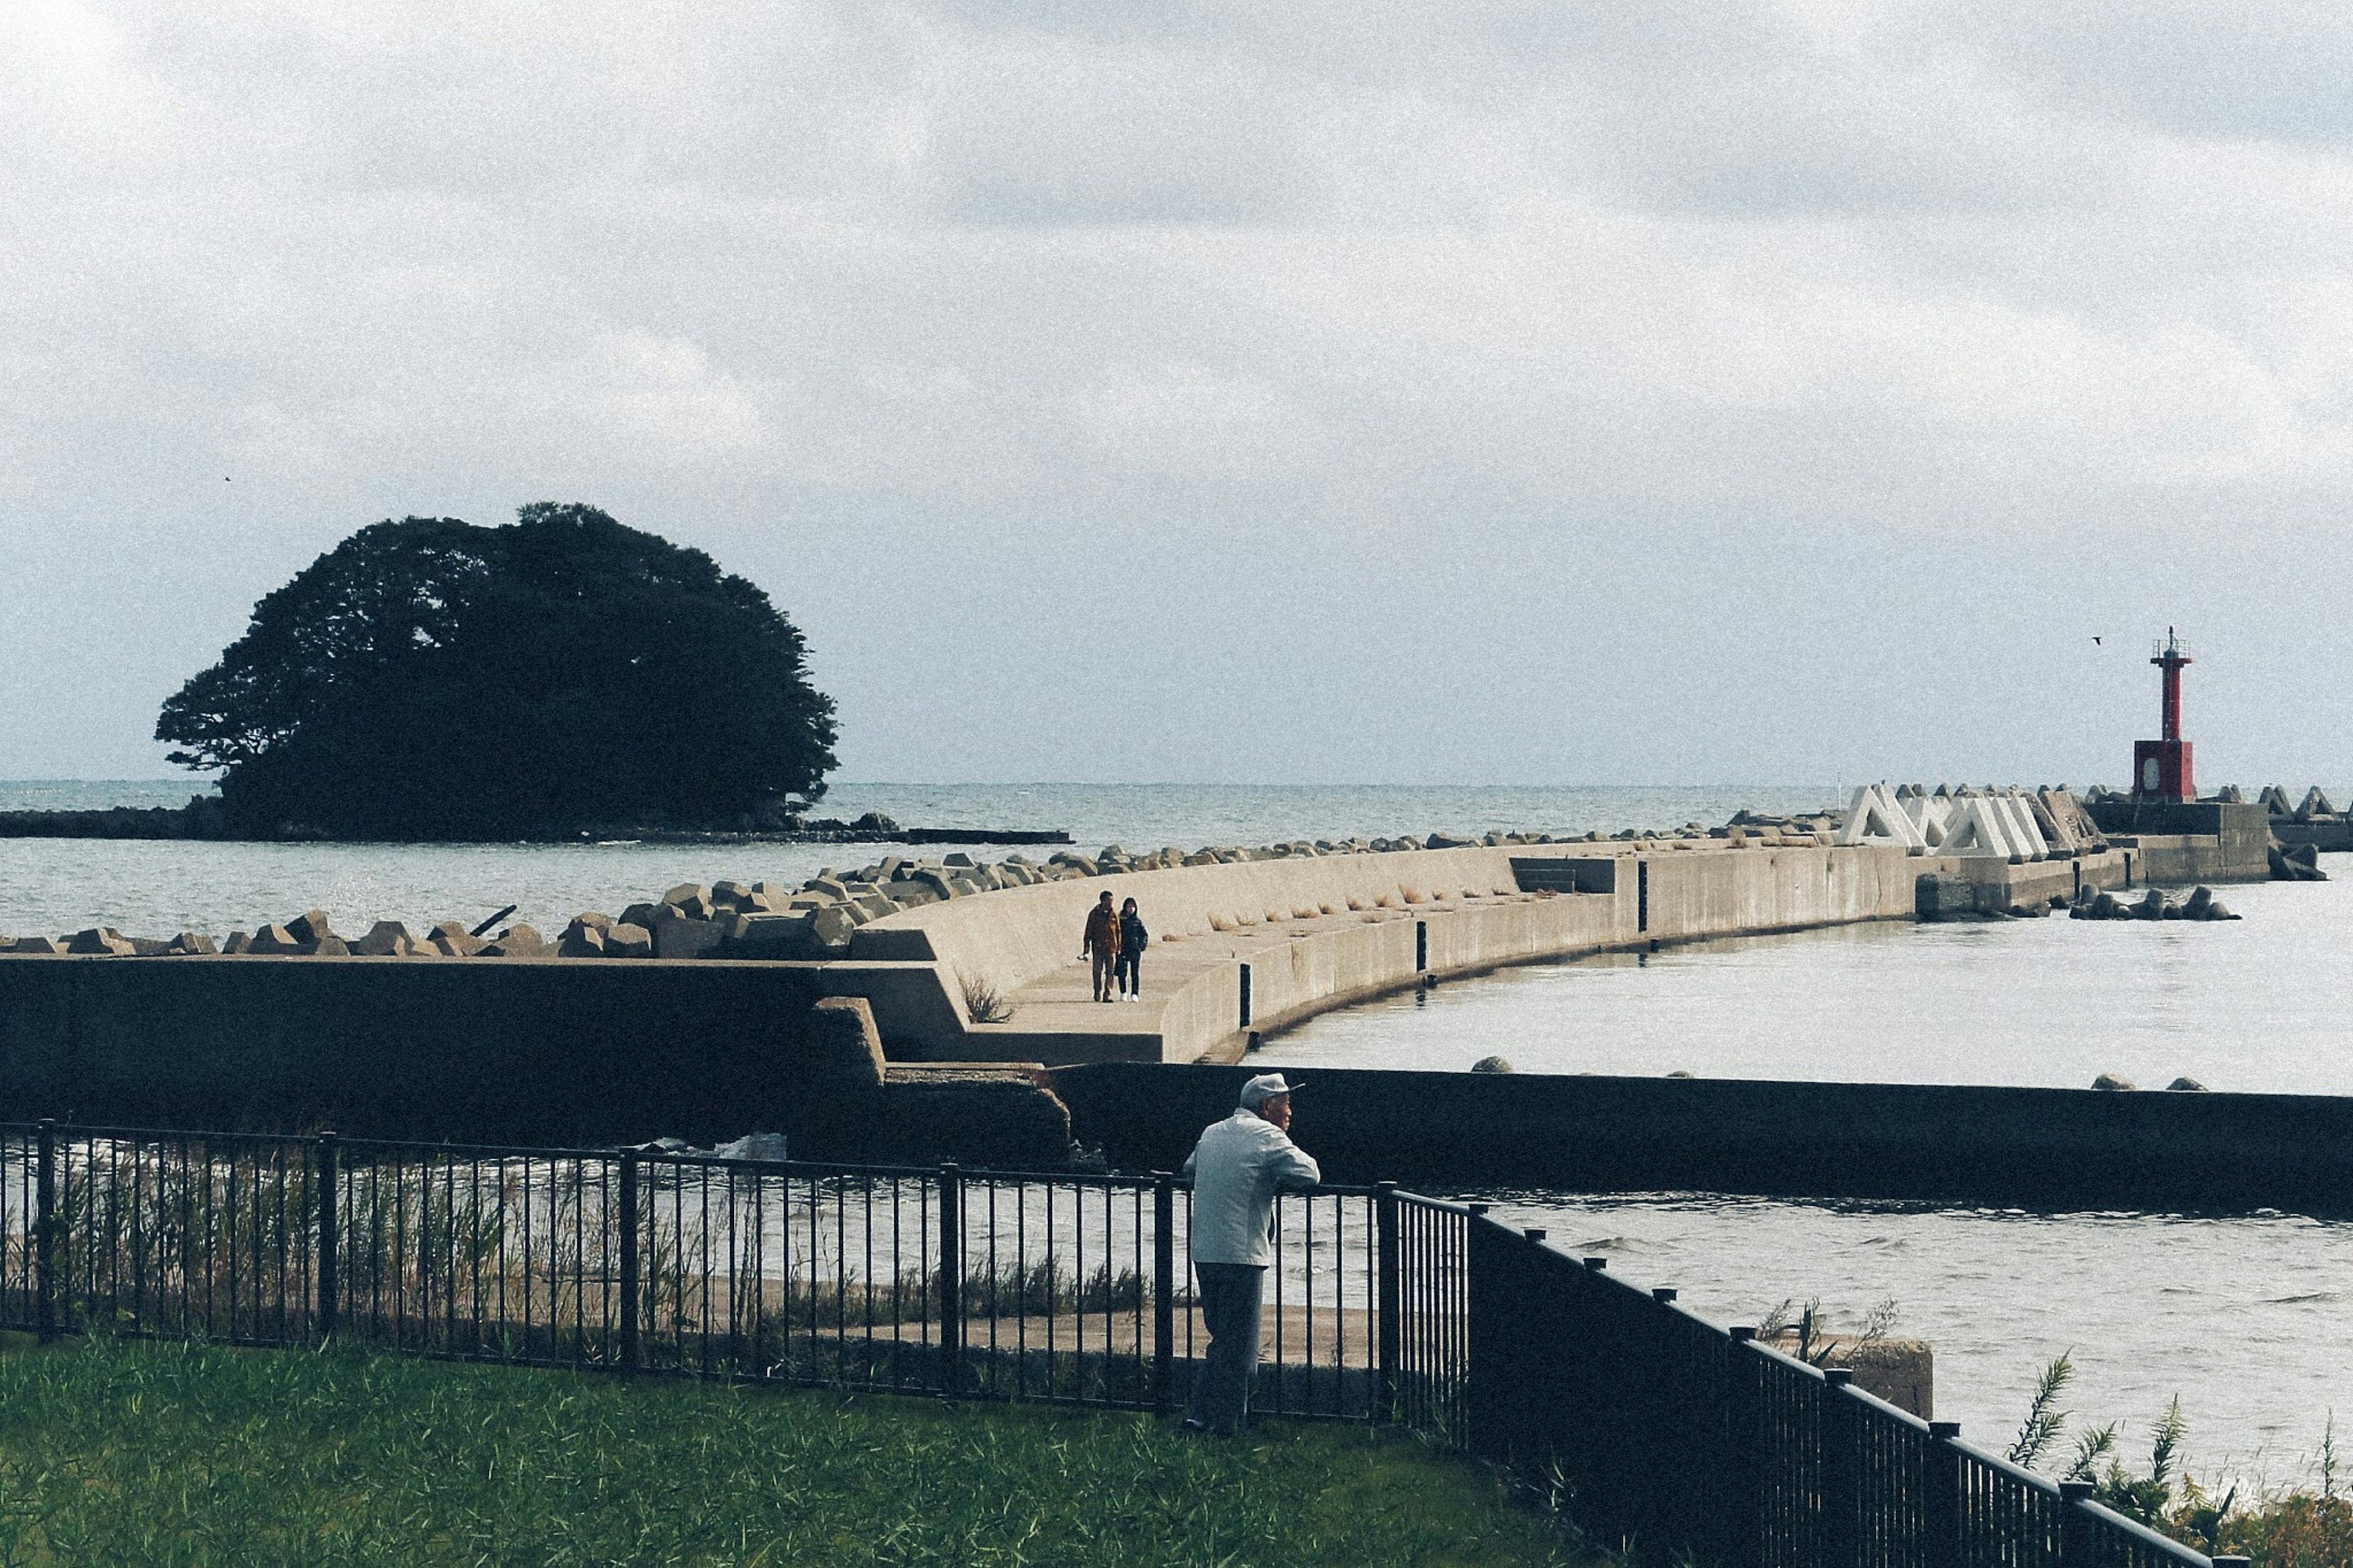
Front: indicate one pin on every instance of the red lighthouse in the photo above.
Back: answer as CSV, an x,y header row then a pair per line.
x,y
2161,768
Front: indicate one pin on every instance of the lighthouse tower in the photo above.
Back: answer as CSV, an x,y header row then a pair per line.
x,y
2161,768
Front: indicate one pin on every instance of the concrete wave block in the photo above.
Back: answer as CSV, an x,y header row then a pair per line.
x,y
385,939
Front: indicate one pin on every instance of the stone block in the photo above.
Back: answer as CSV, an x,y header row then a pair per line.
x,y
831,927
730,894
274,939
328,946
308,927
385,939
768,936
957,858
908,893
99,939
194,943
236,942
581,939
692,900
148,946
845,1050
627,940
640,915
453,940
682,938
518,942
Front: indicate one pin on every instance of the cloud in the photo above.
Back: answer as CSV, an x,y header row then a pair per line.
x,y
914,288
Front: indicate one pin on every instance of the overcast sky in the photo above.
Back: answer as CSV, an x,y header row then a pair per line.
x,y
1442,392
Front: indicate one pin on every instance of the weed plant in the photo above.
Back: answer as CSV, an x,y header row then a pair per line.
x,y
161,1456
2288,1526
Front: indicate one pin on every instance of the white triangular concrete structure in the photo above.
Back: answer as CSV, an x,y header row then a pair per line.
x,y
1932,815
2026,833
2052,815
1979,830
1875,818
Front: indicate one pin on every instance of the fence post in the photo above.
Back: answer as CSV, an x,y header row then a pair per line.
x,y
1941,1508
1842,1440
45,1231
329,1183
1391,1266
951,1279
632,1346
1487,1332
1745,1464
1164,1290
2075,1547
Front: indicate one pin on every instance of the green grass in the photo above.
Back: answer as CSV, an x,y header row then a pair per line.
x,y
160,1454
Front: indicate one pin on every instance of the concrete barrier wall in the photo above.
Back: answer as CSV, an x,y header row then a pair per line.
x,y
1020,933
1009,938
1465,903
1696,893
2031,1147
516,1051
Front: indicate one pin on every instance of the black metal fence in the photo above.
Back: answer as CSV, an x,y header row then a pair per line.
x,y
1061,1287
1663,1435
1675,1440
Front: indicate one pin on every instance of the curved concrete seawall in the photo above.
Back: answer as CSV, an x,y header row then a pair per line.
x,y
1258,946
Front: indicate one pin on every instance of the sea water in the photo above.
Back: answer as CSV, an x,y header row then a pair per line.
x,y
2245,1318
50,885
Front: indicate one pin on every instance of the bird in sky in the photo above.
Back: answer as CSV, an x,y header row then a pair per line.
x,y
2095,639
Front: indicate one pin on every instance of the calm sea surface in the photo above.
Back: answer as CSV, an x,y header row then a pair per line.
x,y
2246,1318
50,885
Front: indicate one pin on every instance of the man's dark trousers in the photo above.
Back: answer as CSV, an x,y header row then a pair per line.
x,y
1230,1294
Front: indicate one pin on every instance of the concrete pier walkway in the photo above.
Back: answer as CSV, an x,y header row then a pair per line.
x,y
1253,947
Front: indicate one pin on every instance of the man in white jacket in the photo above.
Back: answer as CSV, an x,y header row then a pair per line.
x,y
1235,1169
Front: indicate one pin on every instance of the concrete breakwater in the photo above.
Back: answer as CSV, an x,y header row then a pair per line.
x,y
539,1045
1245,948
2033,1148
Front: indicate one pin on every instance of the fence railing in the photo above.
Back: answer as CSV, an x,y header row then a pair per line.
x,y
1663,1435
1675,1440
1058,1287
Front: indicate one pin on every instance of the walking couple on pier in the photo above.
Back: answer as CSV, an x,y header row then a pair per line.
x,y
1116,940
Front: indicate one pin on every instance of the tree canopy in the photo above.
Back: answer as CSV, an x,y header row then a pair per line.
x,y
430,679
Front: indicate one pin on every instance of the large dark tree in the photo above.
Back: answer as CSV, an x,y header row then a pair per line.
x,y
429,679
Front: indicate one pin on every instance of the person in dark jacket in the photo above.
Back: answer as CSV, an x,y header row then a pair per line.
x,y
1101,943
1132,939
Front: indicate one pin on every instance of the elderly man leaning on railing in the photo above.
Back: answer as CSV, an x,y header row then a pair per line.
x,y
1237,1168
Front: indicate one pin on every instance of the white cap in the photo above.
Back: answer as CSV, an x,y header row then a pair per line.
x,y
1264,1086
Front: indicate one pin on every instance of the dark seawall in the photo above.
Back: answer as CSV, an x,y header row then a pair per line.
x,y
491,1049
2032,1147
